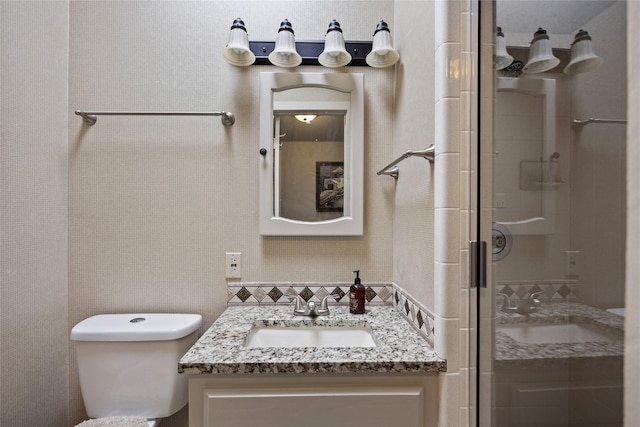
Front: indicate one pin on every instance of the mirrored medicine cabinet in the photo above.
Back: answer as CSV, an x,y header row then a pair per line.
x,y
311,154
526,168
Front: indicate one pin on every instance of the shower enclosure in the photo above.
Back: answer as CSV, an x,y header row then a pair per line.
x,y
552,209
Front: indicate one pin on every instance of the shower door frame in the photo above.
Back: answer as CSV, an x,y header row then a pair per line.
x,y
481,314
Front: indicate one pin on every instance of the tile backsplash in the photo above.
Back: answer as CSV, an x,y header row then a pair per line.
x,y
552,290
283,292
271,293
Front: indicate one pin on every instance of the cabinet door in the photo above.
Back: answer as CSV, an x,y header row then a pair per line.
x,y
311,407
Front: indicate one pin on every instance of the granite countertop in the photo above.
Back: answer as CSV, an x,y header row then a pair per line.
x,y
222,350
509,352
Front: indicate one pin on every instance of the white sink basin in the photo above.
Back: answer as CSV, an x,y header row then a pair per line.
x,y
535,333
310,336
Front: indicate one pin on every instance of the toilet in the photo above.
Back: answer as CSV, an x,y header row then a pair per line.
x,y
128,363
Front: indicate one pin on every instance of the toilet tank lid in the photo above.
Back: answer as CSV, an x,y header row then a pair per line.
x,y
136,327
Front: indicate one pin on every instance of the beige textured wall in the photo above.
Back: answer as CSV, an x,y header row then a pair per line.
x,y
598,168
155,202
33,202
414,129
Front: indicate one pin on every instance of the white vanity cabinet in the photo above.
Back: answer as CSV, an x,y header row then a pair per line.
x,y
280,400
392,384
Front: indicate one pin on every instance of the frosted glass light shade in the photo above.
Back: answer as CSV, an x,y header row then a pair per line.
x,y
382,52
237,50
285,54
334,55
502,59
541,57
582,56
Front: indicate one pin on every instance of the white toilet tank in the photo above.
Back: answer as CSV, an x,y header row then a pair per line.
x,y
128,363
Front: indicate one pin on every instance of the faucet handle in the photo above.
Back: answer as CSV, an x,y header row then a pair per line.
x,y
324,304
299,304
506,302
534,297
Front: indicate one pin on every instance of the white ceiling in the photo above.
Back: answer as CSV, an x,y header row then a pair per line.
x,y
557,17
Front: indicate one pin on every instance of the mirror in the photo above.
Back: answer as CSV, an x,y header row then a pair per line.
x,y
527,164
311,145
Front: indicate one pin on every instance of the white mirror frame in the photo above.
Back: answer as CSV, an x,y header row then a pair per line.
x,y
351,223
546,90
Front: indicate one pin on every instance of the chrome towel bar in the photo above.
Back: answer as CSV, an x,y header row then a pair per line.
x,y
90,117
391,169
578,122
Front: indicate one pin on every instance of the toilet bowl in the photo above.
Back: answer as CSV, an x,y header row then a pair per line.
x,y
128,363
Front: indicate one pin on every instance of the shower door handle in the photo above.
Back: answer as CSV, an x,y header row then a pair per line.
x,y
478,264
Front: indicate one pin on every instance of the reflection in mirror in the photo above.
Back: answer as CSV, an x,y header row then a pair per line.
x,y
309,166
311,177
526,164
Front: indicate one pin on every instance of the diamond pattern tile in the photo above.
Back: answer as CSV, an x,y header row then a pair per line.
x,y
306,294
275,294
243,294
420,319
283,293
552,290
369,294
339,293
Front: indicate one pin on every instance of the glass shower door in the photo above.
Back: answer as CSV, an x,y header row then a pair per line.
x,y
550,321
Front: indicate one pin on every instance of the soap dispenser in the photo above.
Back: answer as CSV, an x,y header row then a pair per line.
x,y
356,295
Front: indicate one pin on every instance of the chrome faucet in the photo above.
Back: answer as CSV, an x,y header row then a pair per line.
x,y
311,308
525,305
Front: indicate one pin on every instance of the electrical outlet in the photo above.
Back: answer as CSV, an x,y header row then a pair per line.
x,y
572,263
233,265
501,200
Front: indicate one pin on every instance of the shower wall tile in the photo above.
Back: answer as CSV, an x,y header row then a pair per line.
x,y
448,120
447,341
448,63
447,21
447,274
465,187
448,170
449,409
454,82
447,246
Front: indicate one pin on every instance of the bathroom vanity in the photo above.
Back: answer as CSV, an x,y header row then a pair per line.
x,y
563,360
236,380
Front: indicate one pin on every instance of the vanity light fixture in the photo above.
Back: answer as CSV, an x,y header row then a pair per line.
x,y
335,54
332,52
382,53
305,118
501,59
237,51
541,57
285,54
582,56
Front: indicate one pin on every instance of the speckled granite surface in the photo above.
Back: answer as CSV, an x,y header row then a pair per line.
x,y
222,350
511,353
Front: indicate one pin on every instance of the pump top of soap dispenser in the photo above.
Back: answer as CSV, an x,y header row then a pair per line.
x,y
357,281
